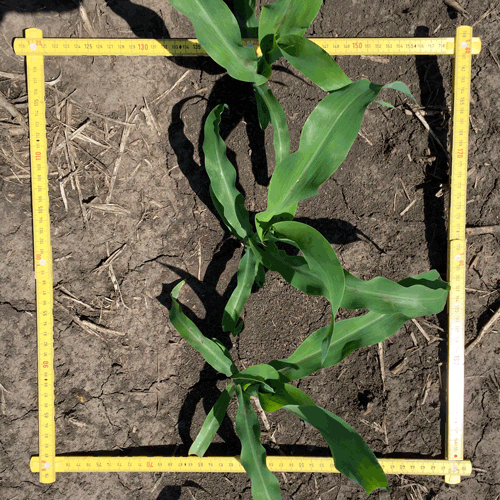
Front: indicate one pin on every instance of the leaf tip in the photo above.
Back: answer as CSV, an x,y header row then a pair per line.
x,y
370,489
175,292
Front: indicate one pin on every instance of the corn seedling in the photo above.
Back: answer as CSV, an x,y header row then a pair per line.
x,y
326,138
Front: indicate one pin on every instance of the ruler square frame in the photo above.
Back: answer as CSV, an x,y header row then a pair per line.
x,y
462,46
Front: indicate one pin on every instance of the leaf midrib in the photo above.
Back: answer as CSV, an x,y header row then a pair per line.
x,y
204,341
228,188
334,342
277,129
253,445
401,299
247,272
317,149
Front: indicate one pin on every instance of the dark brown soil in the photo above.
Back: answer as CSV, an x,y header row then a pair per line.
x,y
147,391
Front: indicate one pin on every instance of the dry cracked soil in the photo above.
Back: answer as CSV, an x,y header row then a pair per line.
x,y
131,215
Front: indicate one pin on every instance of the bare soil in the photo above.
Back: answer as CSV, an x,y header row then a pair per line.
x,y
119,250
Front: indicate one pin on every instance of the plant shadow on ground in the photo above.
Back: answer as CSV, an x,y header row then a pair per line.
x,y
205,389
144,22
228,91
338,232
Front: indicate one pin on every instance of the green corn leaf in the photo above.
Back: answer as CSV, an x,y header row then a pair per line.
x,y
284,17
351,334
313,62
209,349
261,273
258,374
270,53
419,298
386,296
319,256
224,349
293,268
430,279
212,422
252,389
352,456
226,197
287,17
247,273
265,486
269,109
386,104
284,394
401,87
263,113
264,68
397,86
326,138
219,34
244,10
221,211
321,260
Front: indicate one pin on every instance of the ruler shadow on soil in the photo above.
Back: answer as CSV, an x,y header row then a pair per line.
x,y
433,96
174,492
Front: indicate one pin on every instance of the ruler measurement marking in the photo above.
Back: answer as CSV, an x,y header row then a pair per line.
x,y
42,259
233,464
457,248
190,47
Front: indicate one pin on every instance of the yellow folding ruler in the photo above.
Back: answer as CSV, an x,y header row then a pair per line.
x,y
35,47
456,248
233,464
43,263
190,47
